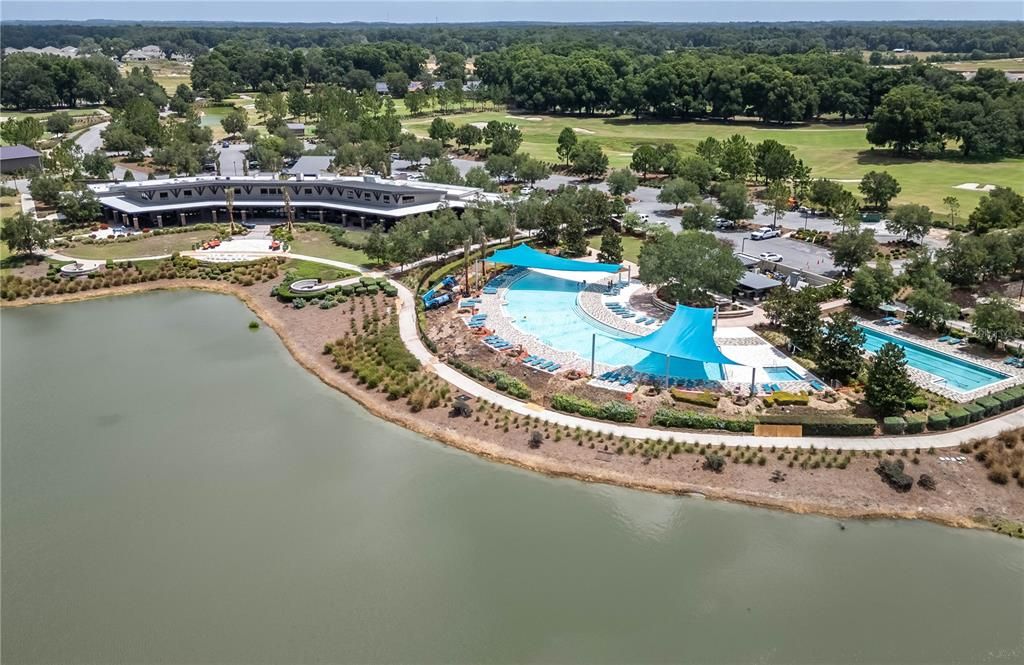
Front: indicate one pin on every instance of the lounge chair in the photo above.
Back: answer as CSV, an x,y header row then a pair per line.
x,y
554,367
955,340
944,338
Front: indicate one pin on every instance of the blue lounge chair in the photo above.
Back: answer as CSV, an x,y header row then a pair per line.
x,y
554,367
944,338
955,340
817,385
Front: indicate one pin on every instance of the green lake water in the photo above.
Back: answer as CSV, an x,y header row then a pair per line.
x,y
175,489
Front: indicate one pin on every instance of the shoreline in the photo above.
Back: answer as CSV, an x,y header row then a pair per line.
x,y
377,405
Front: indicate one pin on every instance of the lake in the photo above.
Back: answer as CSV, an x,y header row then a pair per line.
x,y
177,489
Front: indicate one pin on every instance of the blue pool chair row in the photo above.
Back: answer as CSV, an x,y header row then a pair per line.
x,y
536,362
949,339
817,385
496,342
468,303
478,321
1014,362
770,388
888,321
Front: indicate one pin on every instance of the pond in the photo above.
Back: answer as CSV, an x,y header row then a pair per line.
x,y
177,489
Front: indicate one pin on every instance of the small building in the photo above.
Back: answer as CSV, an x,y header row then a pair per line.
x,y
311,166
756,286
150,52
296,128
18,158
381,88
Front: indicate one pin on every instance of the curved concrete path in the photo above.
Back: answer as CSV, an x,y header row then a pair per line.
x,y
410,337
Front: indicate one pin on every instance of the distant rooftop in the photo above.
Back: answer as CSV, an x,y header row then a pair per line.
x,y
17,152
311,165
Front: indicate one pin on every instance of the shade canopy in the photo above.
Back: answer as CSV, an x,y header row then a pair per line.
x,y
689,334
527,257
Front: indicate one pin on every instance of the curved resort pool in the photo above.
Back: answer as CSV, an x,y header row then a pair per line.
x,y
545,306
955,373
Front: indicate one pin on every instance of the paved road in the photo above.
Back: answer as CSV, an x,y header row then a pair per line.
x,y
90,140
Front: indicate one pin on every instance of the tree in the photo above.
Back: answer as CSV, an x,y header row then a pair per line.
x,y
59,123
911,219
851,249
777,199
644,160
735,159
621,182
589,160
889,386
500,166
468,136
773,161
98,165
689,266
566,144
798,314
907,119
442,171
839,348
677,192
1002,208
531,170
25,131
46,189
873,286
930,303
611,246
733,201
996,321
878,188
952,204
441,130
22,233
504,138
235,122
477,177
710,150
79,206
826,194
397,83
376,247
698,217
697,170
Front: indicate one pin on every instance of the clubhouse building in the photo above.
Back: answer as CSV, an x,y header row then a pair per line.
x,y
350,200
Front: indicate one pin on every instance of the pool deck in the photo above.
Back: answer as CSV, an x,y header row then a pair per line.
x,y
926,380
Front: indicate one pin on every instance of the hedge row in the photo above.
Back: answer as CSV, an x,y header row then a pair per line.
x,y
783,398
979,409
501,380
614,411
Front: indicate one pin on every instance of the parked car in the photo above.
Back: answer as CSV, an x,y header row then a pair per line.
x,y
764,233
526,191
770,256
248,225
394,156
724,224
225,144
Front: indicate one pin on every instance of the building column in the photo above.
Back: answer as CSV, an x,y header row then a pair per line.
x,y
344,219
213,215
160,221
362,222
243,215
181,218
135,222
321,214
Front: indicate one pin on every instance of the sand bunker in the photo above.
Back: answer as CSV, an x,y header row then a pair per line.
x,y
580,130
975,187
479,125
525,117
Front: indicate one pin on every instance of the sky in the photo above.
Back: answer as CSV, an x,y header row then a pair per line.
x,y
460,11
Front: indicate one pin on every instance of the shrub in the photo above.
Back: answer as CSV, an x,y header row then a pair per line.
x,y
975,412
714,462
938,421
705,398
893,475
991,406
511,385
999,475
916,423
783,398
917,403
254,325
958,416
894,425
926,482
693,420
613,411
817,425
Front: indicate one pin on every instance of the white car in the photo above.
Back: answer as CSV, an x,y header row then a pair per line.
x,y
526,191
770,256
764,233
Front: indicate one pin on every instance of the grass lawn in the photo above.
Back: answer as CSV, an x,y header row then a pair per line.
x,y
9,206
1005,64
318,243
630,247
838,152
168,73
309,270
150,246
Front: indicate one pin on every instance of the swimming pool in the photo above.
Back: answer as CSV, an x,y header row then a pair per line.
x,y
955,373
545,306
782,373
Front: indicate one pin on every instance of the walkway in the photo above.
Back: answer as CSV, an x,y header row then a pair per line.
x,y
410,337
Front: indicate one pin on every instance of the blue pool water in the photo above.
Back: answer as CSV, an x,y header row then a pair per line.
x,y
545,307
782,374
957,373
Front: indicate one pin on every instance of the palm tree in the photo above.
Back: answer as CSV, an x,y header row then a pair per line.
x,y
229,200
288,209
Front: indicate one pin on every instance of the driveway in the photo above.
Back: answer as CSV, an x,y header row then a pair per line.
x,y
90,140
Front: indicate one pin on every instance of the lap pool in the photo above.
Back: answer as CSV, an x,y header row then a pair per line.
x,y
545,306
955,373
